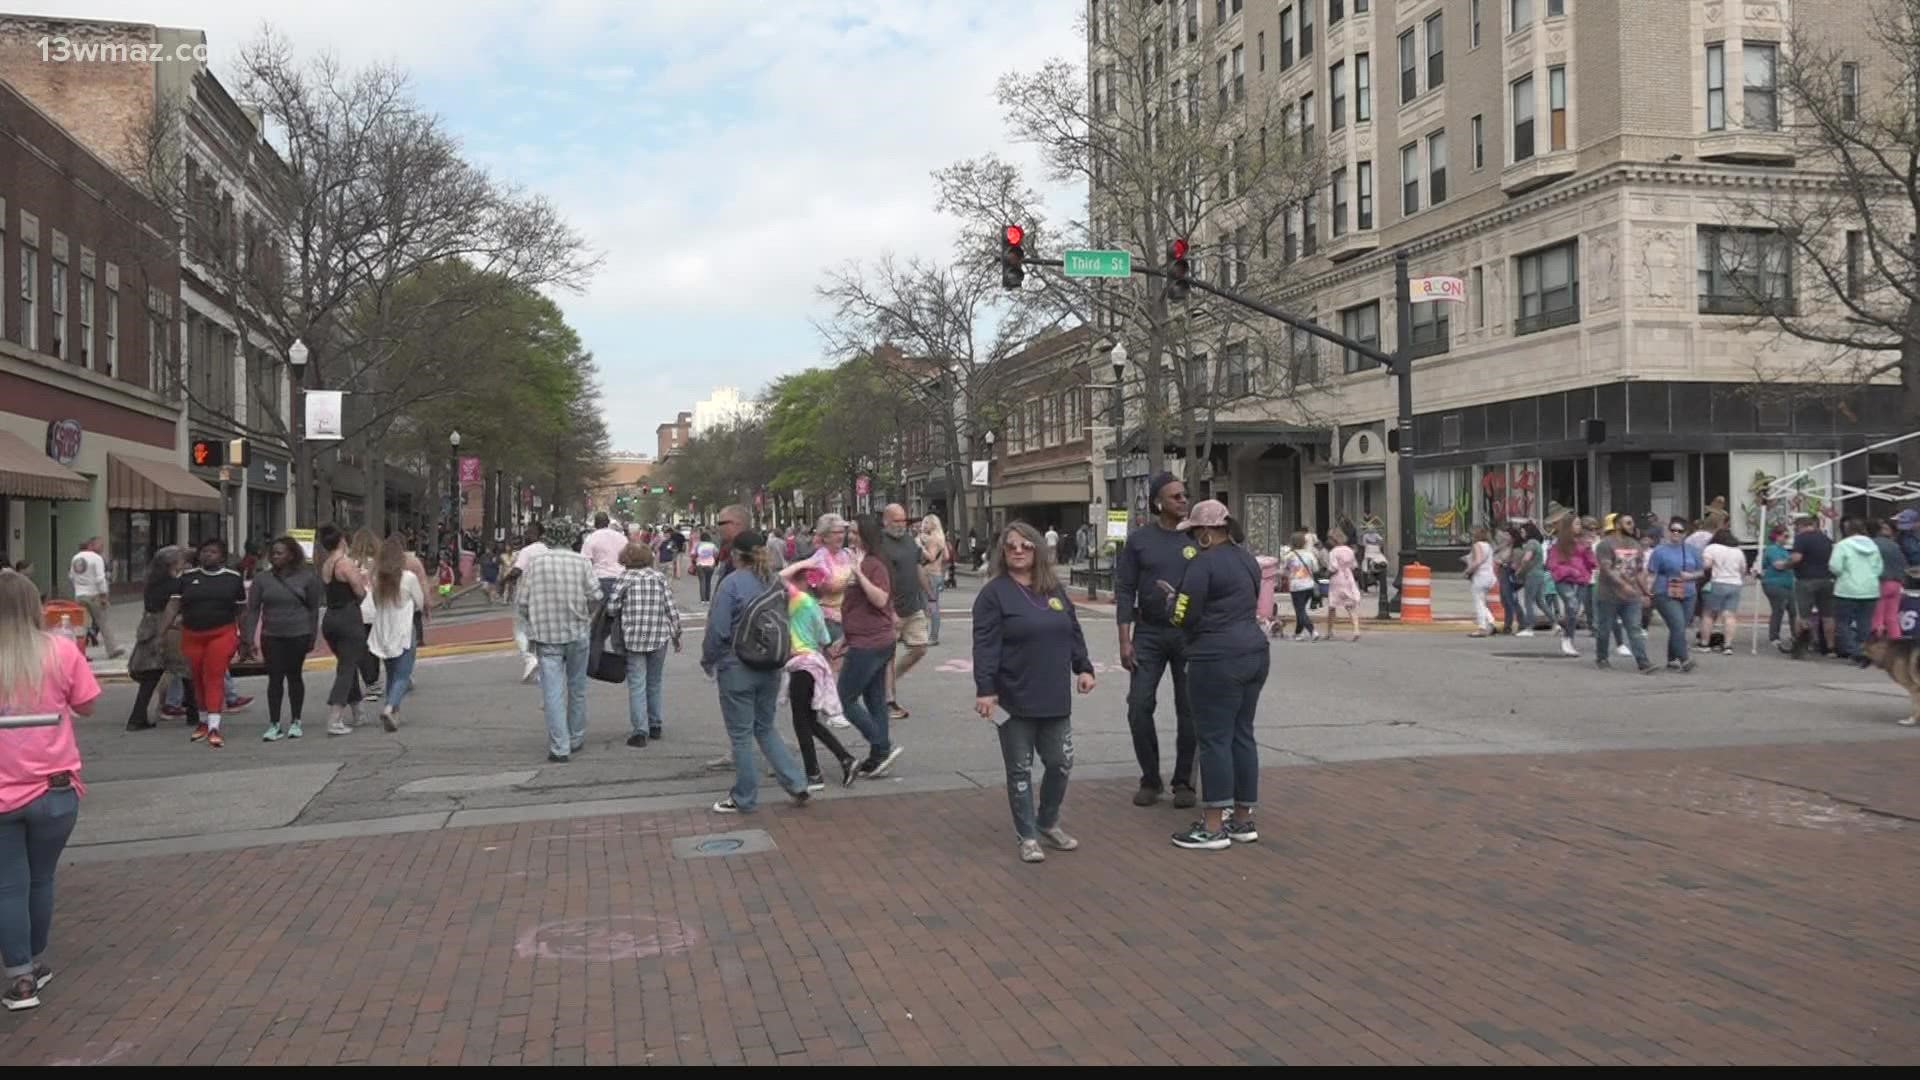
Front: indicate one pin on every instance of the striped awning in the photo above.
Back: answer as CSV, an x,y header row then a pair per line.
x,y
29,474
144,484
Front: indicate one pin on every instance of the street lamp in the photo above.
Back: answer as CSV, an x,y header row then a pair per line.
x,y
986,522
297,429
453,492
1096,531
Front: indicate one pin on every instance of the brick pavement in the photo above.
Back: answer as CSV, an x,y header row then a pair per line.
x,y
1639,908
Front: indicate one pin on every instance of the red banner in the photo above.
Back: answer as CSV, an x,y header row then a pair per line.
x,y
470,471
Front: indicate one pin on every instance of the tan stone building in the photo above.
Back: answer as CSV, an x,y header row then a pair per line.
x,y
1580,165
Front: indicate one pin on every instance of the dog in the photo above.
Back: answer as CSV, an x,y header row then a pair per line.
x,y
1899,658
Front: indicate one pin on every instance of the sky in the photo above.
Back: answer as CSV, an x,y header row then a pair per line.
x,y
720,154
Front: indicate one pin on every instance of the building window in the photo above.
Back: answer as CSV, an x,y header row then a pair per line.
x,y
1363,193
1549,288
1113,89
1362,324
29,333
1310,224
1557,106
113,335
1519,15
1479,298
1239,73
1429,331
1745,271
1306,28
1193,21
1362,88
1260,49
1289,236
1337,96
1410,179
57,305
1339,202
1286,39
1436,168
1193,100
1436,51
1240,255
1409,69
1849,91
1307,118
1220,83
1856,264
1336,10
1473,24
1760,105
1477,128
86,322
1522,119
1556,8
1303,359
1716,88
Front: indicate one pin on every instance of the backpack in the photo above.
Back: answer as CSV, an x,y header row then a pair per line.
x,y
760,638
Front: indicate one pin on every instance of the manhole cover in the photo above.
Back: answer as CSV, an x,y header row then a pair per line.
x,y
720,845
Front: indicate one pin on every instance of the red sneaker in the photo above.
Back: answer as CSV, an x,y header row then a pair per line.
x,y
200,732
214,740
238,702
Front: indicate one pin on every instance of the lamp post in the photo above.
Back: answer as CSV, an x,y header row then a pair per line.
x,y
986,522
297,429
453,493
1097,530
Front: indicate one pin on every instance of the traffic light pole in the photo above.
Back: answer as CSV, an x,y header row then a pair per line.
x,y
1397,362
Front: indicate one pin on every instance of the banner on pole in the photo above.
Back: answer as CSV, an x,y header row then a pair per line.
x,y
980,474
470,471
325,413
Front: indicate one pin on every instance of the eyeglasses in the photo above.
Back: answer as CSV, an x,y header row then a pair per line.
x,y
1016,549
1676,532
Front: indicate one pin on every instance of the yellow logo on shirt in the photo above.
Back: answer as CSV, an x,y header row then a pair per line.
x,y
1189,551
1056,605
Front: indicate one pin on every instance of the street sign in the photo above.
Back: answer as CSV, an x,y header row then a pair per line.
x,y
1097,263
1116,524
658,490
1451,289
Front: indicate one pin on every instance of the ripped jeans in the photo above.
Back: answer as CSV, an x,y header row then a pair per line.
x,y
1019,740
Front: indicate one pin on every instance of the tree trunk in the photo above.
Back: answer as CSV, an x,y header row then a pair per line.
x,y
376,491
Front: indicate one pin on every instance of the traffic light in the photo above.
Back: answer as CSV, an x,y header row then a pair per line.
x,y
1178,270
1013,257
240,453
669,489
205,453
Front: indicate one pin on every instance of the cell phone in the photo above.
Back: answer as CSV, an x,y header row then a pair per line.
x,y
27,720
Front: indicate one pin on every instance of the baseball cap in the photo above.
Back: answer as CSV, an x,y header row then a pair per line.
x,y
1206,514
1906,519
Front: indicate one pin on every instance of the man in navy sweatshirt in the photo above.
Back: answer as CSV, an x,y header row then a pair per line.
x,y
1149,643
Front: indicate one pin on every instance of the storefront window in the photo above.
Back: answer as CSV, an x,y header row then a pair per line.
x,y
1509,490
1443,506
133,537
1355,499
204,527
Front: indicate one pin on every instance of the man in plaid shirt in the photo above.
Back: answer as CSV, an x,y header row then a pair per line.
x,y
557,598
649,619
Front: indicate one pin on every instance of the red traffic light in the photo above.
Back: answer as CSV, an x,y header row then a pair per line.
x,y
1016,235
1179,249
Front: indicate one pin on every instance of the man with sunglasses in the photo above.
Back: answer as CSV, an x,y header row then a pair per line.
x,y
1150,644
732,521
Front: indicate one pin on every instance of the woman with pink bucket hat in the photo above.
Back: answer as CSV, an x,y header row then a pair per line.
x,y
1215,606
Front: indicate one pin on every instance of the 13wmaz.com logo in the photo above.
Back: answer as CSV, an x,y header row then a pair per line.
x,y
62,50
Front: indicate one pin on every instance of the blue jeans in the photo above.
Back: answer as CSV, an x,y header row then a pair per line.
x,y
1675,613
1019,739
1853,621
747,701
863,691
1625,615
933,611
1509,600
563,690
400,677
646,690
31,840
1533,600
1571,597
1156,649
1223,721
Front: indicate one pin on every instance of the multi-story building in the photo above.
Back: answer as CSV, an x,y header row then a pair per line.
x,y
724,408
89,288
673,437
1044,470
1581,165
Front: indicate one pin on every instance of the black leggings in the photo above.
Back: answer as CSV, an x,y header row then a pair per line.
x,y
1302,622
347,636
286,659
807,726
148,681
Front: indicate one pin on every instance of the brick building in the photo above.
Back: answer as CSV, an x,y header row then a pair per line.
x,y
673,436
1580,165
1043,457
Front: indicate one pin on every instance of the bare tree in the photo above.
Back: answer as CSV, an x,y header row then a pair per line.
x,y
1836,264
1163,130
367,195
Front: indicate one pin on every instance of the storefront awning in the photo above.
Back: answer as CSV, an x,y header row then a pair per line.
x,y
1041,492
144,484
29,474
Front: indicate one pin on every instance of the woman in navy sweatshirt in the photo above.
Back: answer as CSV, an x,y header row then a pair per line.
x,y
1027,649
1227,664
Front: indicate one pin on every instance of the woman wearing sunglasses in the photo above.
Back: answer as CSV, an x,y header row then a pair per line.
x,y
1027,650
1675,567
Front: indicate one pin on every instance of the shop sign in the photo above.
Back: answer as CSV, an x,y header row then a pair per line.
x,y
63,441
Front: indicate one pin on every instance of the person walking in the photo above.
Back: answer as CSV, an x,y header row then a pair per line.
x,y
649,621
1776,582
1297,569
1150,646
1726,574
867,617
365,549
749,696
88,576
811,689
558,598
828,571
1676,567
907,571
389,607
1343,590
1530,571
1813,599
534,547
342,626
1503,559
44,683
1570,561
283,614
1480,581
1893,576
604,546
156,649
1620,591
208,607
1856,566
933,542
1228,655
706,557
1028,649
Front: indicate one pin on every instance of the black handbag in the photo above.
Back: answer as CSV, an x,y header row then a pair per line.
x,y
607,646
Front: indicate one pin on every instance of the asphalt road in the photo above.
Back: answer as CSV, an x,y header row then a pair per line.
x,y
473,738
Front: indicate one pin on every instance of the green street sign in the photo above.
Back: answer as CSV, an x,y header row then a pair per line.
x,y
1096,263
657,490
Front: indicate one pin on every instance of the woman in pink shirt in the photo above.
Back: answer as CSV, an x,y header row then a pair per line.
x,y
1570,560
44,682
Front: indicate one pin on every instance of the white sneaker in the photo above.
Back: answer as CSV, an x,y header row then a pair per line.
x,y
529,669
1524,633
335,727
1567,649
1623,650
1910,721
839,722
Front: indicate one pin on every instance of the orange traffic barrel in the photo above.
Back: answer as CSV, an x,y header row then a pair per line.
x,y
54,611
1416,593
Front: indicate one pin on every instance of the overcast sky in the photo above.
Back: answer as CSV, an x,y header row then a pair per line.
x,y
720,153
